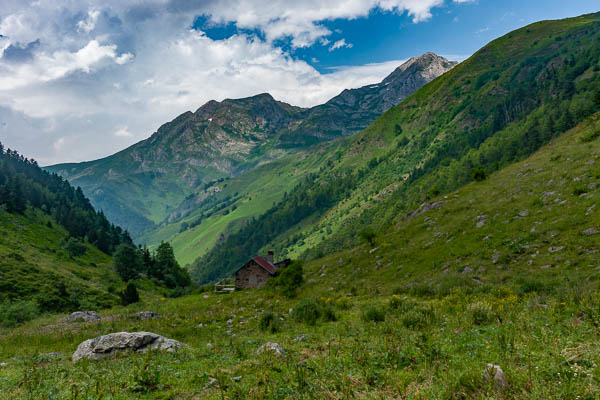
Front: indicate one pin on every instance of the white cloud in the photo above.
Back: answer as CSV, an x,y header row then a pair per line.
x,y
58,144
48,67
89,23
339,44
123,132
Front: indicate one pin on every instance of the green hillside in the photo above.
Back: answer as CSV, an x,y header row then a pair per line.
x,y
54,247
35,265
227,205
514,95
503,271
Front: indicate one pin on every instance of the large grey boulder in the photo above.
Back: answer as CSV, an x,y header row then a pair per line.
x,y
85,316
104,346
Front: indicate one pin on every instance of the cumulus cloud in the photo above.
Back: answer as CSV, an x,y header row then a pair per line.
x,y
81,80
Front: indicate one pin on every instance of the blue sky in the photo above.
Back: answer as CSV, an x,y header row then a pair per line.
x,y
81,80
454,29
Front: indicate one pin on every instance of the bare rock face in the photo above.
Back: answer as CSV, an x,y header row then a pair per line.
x,y
85,316
104,346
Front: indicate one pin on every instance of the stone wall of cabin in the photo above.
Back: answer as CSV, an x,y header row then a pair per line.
x,y
251,276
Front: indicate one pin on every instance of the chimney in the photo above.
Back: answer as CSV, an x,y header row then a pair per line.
x,y
270,256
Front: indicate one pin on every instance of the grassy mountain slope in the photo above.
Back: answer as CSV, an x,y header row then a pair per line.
x,y
502,104
223,207
503,271
34,265
143,185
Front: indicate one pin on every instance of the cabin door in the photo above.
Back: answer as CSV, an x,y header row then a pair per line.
x,y
252,280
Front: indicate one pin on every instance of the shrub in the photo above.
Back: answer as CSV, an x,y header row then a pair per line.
x,y
402,304
269,322
289,279
373,314
368,235
418,317
129,295
478,174
309,311
75,247
17,312
482,313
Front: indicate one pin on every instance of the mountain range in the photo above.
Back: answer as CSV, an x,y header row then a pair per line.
x,y
139,187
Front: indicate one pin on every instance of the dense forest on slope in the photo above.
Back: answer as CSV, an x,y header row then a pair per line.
x,y
23,183
54,247
514,95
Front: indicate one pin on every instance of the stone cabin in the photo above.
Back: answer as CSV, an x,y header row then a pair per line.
x,y
257,271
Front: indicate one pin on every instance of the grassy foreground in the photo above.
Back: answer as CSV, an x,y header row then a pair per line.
x,y
504,271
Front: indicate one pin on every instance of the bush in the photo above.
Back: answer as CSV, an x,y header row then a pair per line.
x,y
17,312
289,279
129,295
75,247
309,311
418,318
478,174
269,322
369,236
482,314
373,314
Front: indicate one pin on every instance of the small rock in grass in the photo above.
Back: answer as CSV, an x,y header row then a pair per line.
x,y
83,316
524,214
211,382
467,270
555,249
145,315
495,258
273,347
546,266
210,346
3,364
236,378
591,231
50,356
495,372
301,338
481,223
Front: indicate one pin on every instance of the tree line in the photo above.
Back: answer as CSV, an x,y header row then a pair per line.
x,y
24,184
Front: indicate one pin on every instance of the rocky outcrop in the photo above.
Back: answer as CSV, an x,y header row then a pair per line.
x,y
104,346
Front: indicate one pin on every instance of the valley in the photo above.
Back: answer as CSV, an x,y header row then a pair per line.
x,y
432,236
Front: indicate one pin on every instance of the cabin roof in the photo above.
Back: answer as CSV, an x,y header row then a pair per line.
x,y
265,264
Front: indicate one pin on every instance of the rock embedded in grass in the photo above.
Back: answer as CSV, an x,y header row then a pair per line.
x,y
495,372
272,347
145,315
104,346
85,316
